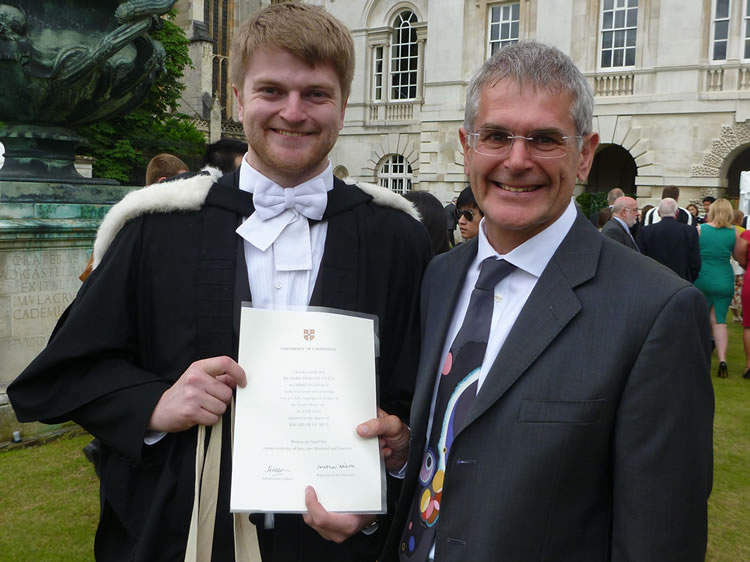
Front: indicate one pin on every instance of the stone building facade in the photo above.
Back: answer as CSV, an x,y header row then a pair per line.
x,y
671,79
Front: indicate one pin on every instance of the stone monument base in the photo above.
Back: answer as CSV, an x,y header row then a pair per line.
x,y
47,231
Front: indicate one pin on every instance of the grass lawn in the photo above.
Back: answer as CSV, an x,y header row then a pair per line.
x,y
49,502
49,494
729,506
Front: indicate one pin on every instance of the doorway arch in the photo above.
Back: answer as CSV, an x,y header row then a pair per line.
x,y
613,166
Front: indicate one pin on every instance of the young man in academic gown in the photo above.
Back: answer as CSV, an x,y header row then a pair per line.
x,y
146,353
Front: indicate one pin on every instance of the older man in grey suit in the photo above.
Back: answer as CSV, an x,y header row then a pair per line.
x,y
546,425
624,216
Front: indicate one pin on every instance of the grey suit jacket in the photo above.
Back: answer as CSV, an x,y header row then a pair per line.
x,y
614,230
591,438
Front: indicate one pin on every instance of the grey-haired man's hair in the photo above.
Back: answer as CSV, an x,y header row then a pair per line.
x,y
667,207
540,66
613,195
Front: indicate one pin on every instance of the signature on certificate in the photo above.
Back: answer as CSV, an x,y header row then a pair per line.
x,y
276,470
335,467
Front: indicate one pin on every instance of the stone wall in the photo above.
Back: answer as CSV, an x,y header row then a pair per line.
x,y
46,234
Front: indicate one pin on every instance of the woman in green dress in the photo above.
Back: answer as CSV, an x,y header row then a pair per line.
x,y
718,238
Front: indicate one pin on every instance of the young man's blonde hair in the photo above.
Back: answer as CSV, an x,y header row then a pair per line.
x,y
308,32
164,166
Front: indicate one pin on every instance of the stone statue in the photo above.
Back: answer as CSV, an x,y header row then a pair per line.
x,y
66,64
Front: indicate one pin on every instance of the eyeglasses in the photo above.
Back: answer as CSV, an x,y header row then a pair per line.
x,y
467,214
543,144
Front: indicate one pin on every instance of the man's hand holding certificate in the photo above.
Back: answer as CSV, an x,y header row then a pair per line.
x,y
311,382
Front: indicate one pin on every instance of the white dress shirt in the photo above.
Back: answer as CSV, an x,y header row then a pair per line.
x,y
271,286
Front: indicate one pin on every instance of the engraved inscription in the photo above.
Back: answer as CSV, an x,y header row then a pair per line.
x,y
35,288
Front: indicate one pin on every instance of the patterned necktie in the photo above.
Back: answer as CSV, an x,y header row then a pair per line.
x,y
457,389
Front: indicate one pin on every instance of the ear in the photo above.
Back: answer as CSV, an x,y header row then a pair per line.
x,y
238,97
464,138
590,142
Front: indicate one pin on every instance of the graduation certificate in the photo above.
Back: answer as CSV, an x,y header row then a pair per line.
x,y
310,381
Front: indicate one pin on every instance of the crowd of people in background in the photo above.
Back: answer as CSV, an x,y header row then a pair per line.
x,y
706,245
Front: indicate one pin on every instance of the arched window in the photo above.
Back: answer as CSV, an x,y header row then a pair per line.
x,y
395,173
404,57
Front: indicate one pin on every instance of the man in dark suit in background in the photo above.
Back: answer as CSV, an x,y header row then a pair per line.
x,y
683,215
624,216
672,243
579,433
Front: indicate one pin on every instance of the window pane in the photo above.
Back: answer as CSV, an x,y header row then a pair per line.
x,y
495,13
747,49
607,21
607,38
505,31
617,58
632,17
619,39
747,27
606,59
494,32
630,41
620,3
506,12
620,19
722,9
516,11
721,31
629,57
633,3
514,30
720,50
609,4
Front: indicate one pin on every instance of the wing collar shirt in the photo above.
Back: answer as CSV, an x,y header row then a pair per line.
x,y
283,250
531,259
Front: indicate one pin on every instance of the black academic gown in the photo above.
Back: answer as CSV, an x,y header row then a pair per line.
x,y
167,293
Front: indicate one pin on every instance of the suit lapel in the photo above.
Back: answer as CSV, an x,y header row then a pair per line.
x,y
550,307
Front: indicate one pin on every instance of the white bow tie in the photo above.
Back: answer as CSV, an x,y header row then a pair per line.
x,y
307,199
277,220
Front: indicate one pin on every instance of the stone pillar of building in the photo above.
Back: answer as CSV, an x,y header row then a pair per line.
x,y
443,89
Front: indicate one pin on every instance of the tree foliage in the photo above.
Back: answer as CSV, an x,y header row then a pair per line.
x,y
122,146
590,203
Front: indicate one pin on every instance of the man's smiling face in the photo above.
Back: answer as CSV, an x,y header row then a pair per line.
x,y
521,195
291,113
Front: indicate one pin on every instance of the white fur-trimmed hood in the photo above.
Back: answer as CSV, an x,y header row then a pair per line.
x,y
386,198
172,196
189,194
